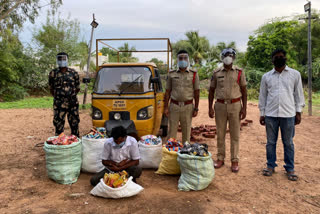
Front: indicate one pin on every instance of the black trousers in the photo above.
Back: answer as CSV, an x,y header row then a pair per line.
x,y
134,171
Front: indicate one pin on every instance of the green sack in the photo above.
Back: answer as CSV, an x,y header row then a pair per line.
x,y
63,162
196,172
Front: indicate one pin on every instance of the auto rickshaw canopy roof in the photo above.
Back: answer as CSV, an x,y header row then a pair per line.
x,y
119,64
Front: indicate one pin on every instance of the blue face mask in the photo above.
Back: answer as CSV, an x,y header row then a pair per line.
x,y
62,63
121,144
183,64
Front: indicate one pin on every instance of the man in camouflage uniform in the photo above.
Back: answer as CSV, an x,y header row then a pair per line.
x,y
64,86
229,84
182,88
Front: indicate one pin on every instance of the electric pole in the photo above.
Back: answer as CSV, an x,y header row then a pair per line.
x,y
86,80
307,8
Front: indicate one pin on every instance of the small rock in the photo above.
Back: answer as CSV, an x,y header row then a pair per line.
x,y
76,195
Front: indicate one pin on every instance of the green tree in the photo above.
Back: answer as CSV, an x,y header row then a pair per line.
x,y
58,35
241,60
205,71
83,49
13,66
215,51
127,56
13,13
112,54
160,65
197,47
269,37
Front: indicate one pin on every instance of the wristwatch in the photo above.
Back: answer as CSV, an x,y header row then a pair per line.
x,y
195,109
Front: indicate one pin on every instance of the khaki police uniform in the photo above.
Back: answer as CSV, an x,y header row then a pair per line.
x,y
181,102
227,108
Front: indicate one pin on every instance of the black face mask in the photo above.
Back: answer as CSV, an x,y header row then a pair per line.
x,y
279,62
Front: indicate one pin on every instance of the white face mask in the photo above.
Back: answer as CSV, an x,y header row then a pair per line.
x,y
227,60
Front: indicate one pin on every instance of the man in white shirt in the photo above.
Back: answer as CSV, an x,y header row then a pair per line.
x,y
120,152
281,101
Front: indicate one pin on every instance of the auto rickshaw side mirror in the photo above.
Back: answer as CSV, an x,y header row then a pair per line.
x,y
86,80
155,80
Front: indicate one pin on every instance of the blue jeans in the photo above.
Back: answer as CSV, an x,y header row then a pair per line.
x,y
286,126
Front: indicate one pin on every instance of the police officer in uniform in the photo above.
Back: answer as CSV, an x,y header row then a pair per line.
x,y
64,86
182,88
229,84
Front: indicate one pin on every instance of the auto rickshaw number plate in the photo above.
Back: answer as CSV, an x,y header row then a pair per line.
x,y
119,105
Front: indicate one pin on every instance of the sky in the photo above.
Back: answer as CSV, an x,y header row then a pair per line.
x,y
219,21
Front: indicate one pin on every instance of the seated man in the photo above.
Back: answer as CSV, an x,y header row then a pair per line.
x,y
120,152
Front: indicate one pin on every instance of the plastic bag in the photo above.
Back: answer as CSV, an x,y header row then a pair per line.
x,y
150,155
62,139
173,145
63,162
128,190
150,140
91,154
96,133
169,164
194,149
196,172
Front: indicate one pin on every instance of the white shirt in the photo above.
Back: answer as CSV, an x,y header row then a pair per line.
x,y
281,94
128,151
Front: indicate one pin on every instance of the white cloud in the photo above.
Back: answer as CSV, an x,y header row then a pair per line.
x,y
232,20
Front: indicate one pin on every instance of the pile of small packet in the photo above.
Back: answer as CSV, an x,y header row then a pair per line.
x,y
150,140
115,180
62,139
195,149
96,133
173,145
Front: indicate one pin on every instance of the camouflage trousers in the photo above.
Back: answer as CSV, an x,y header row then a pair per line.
x,y
63,106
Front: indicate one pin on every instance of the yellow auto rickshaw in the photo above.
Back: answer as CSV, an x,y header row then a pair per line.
x,y
129,94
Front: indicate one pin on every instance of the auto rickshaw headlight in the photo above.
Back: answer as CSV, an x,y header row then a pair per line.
x,y
97,114
145,113
117,116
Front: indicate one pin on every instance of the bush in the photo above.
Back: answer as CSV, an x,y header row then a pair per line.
x,y
13,92
253,94
253,77
316,85
204,92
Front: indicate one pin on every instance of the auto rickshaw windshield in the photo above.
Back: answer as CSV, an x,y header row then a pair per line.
x,y
123,80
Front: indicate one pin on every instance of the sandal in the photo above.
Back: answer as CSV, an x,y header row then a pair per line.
x,y
291,176
268,172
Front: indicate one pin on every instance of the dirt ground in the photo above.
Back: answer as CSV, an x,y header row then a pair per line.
x,y
25,187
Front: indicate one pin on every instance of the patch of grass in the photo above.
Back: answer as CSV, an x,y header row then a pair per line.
x,y
90,87
34,102
31,102
85,106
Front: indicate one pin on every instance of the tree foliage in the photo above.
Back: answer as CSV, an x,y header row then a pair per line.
x,y
197,47
289,34
268,38
58,35
13,13
123,56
